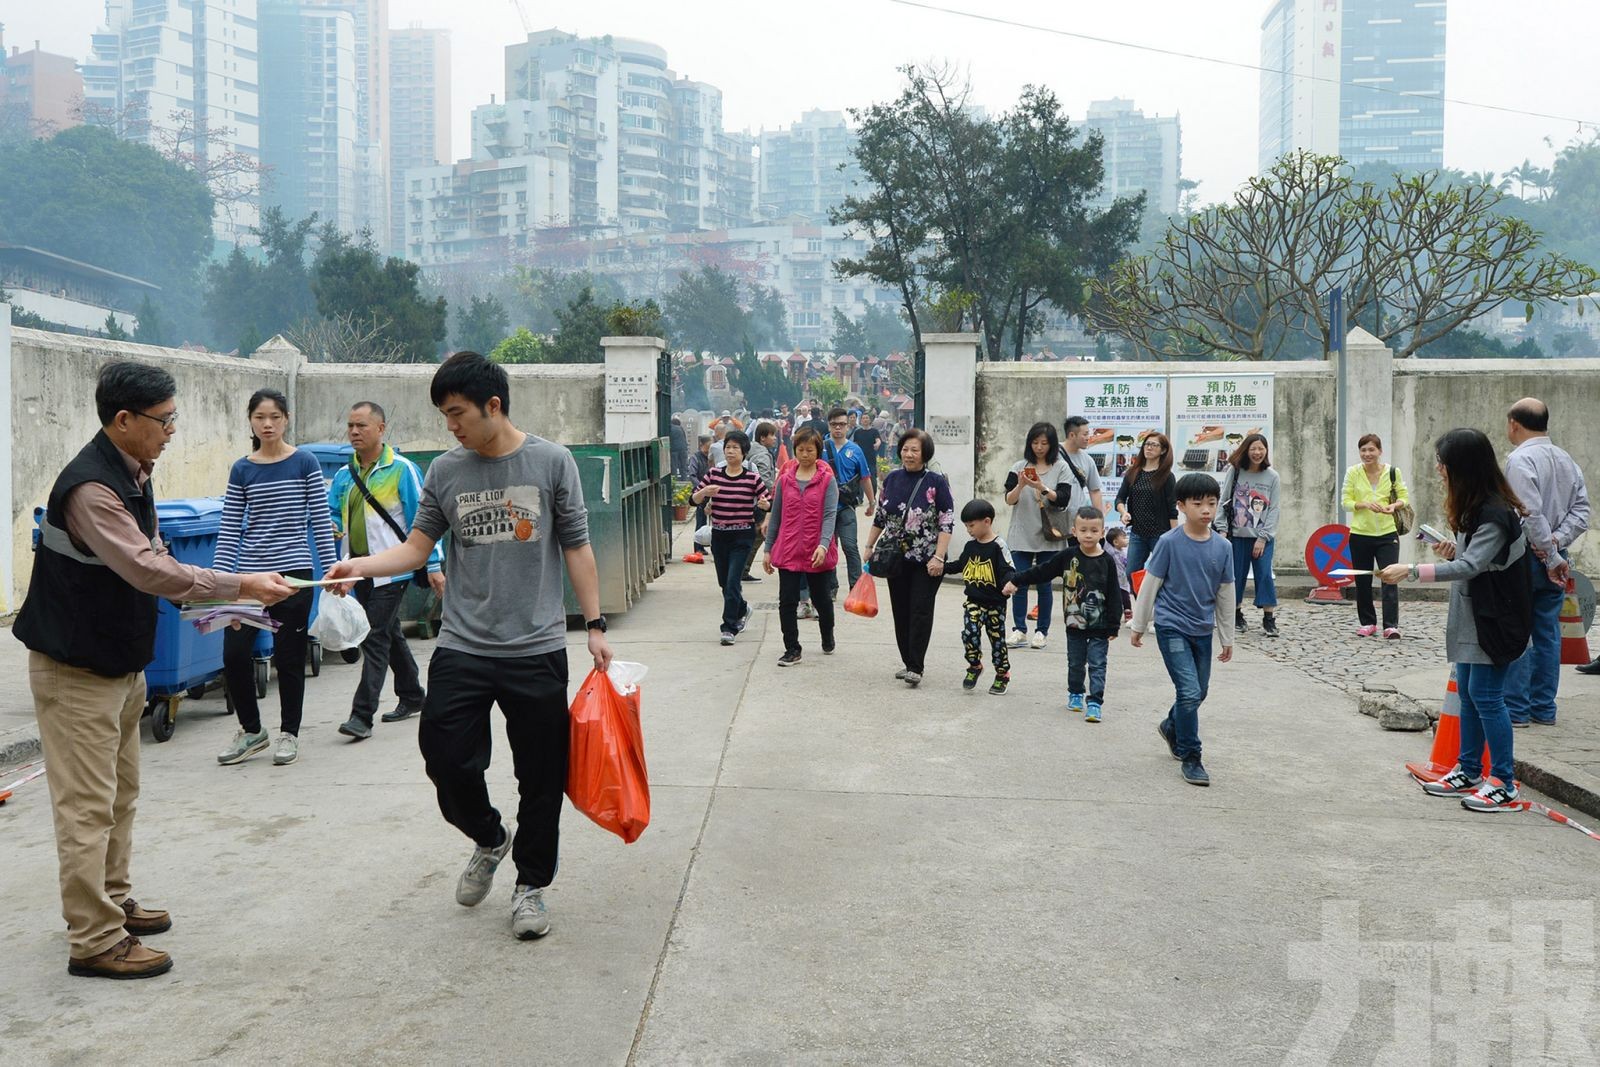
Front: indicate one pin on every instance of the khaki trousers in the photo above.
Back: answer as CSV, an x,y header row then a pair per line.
x,y
89,728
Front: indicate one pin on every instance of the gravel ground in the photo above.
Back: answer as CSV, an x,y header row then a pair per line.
x,y
1321,642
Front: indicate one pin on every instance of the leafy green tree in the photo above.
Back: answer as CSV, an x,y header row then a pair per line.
x,y
579,327
635,320
1007,200
703,312
151,329
769,318
85,194
1470,344
830,391
481,324
265,291
545,291
524,346
112,330
877,333
20,317
349,277
764,385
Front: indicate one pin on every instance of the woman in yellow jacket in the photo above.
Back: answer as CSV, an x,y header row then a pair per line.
x,y
1372,490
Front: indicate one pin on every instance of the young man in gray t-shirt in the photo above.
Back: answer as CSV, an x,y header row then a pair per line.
x,y
514,507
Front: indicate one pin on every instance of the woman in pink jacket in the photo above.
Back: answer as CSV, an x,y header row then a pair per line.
x,y
800,541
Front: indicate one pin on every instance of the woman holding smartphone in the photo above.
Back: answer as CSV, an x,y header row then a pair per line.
x,y
1490,615
1038,483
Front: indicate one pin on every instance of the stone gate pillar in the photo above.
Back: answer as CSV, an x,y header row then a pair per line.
x,y
950,393
630,395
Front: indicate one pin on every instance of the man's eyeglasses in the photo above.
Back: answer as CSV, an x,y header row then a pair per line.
x,y
841,422
167,423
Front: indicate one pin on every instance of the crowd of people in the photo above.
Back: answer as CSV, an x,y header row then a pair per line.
x,y
1177,562
789,490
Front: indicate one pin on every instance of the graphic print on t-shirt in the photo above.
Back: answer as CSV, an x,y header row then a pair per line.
x,y
1083,604
1249,504
491,515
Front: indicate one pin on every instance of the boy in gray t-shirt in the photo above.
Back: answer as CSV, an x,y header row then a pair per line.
x,y
513,506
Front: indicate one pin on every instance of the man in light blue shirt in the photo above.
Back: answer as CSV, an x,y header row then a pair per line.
x,y
1550,485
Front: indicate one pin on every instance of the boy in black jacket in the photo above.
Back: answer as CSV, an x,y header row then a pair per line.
x,y
985,565
1093,607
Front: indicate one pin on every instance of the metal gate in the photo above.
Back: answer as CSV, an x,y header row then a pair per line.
x,y
919,388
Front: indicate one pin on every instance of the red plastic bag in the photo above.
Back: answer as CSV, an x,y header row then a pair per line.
x,y
863,599
606,776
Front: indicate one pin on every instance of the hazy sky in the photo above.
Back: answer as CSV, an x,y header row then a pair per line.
x,y
773,61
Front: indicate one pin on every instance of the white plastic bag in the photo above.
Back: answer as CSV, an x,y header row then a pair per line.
x,y
702,536
626,677
341,623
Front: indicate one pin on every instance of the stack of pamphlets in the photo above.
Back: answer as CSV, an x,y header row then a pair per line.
x,y
212,616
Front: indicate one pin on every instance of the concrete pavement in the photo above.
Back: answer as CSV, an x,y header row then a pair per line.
x,y
838,870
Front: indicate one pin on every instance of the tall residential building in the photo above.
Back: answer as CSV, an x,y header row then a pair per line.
x,y
181,76
308,111
419,114
1141,154
1363,79
647,148
807,169
40,93
372,109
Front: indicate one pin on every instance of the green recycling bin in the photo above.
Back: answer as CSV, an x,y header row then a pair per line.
x,y
627,489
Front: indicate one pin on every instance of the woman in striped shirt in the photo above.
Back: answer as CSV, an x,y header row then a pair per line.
x,y
277,503
733,491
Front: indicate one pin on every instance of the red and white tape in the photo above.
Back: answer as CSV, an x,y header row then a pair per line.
x,y
1551,813
5,790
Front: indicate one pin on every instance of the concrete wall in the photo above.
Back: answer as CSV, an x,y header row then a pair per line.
x,y
563,403
1011,397
52,410
1433,396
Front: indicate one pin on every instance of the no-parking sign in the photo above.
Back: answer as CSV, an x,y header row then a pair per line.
x,y
1328,550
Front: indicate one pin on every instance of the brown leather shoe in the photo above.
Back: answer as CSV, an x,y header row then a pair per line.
x,y
143,922
126,959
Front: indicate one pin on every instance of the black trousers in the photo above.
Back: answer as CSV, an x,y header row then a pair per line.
x,y
288,655
789,583
455,739
385,647
911,597
1366,551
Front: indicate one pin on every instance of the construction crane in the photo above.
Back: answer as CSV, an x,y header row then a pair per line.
x,y
522,13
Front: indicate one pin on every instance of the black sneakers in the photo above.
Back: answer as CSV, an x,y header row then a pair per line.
x,y
970,681
357,728
1238,620
788,659
1269,624
404,711
828,646
1194,773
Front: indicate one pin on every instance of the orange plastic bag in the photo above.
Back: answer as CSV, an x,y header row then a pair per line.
x,y
1136,579
606,776
863,599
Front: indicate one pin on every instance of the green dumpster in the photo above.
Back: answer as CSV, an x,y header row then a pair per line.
x,y
627,489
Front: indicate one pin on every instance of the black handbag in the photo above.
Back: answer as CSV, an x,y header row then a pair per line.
x,y
420,575
1502,598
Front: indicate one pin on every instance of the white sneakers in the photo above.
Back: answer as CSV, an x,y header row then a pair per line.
x,y
1017,639
1037,640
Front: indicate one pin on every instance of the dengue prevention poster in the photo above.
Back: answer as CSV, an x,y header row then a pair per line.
x,y
1122,412
1213,413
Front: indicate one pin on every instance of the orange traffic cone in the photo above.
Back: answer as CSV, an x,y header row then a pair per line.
x,y
1574,645
1446,739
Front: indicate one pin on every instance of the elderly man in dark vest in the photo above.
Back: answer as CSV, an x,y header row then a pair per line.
x,y
90,626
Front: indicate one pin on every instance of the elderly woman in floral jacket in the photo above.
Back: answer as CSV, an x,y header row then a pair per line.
x,y
911,530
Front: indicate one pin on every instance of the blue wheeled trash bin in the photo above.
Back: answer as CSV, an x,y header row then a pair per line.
x,y
187,662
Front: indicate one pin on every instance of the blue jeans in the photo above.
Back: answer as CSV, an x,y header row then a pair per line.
x,y
1047,596
1266,588
1086,652
1482,688
1188,661
1532,678
730,553
1139,549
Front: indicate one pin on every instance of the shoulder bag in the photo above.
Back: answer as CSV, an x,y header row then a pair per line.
x,y
420,575
1502,597
1404,515
889,554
